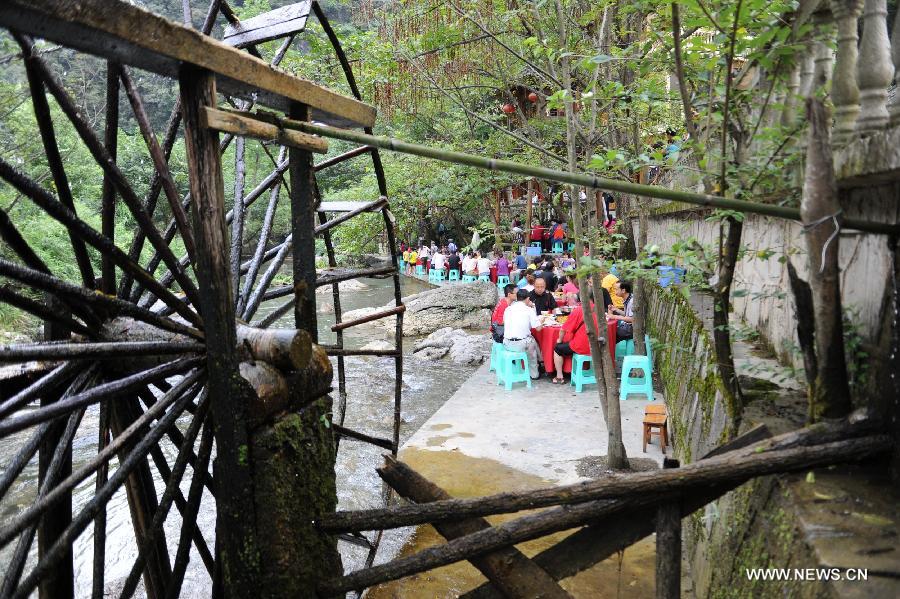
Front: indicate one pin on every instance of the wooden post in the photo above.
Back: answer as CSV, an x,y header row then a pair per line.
x,y
237,550
668,546
303,219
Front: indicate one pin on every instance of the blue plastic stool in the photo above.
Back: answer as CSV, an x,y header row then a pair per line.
x,y
496,348
642,385
580,375
558,247
484,278
513,368
420,270
469,278
535,244
624,348
502,281
453,275
571,246
401,265
436,275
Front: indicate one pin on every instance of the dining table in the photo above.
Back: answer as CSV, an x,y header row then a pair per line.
x,y
548,336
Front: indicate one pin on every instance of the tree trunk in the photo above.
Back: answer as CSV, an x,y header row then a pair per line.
x,y
639,303
721,310
820,212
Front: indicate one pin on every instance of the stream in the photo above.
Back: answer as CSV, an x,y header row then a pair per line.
x,y
370,385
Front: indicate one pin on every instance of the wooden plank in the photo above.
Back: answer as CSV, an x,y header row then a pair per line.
x,y
342,206
231,122
136,37
274,24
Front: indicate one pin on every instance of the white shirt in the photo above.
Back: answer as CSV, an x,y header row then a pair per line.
x,y
468,264
424,252
484,266
518,320
437,261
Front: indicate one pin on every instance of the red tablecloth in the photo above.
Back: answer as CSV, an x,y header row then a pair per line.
x,y
547,338
493,274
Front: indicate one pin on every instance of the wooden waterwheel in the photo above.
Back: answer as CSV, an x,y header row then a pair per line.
x,y
163,351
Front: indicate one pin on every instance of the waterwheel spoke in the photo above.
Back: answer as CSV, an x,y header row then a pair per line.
x,y
104,350
108,195
266,280
99,560
47,311
172,479
275,314
47,202
123,386
54,160
102,157
80,295
176,401
195,496
42,386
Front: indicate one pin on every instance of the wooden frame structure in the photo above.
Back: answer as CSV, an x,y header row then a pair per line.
x,y
155,351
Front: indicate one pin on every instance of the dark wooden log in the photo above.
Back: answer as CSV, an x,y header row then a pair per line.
x,y
341,351
342,431
303,215
375,316
239,211
668,547
256,297
508,569
95,351
98,579
336,275
722,469
366,207
804,312
237,545
160,161
46,384
275,314
288,349
757,434
342,157
237,123
45,311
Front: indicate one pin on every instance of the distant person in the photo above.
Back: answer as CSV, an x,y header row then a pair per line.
x,y
437,261
527,283
425,255
519,320
413,260
542,299
451,247
503,266
673,146
625,316
484,265
454,261
608,282
469,264
521,261
570,289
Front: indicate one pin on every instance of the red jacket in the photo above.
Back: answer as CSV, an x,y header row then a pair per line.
x,y
576,331
499,309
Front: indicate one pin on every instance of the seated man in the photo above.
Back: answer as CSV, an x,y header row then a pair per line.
x,y
625,326
518,321
542,299
484,265
575,331
453,261
437,261
469,264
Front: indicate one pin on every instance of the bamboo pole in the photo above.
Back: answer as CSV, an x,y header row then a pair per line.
x,y
591,181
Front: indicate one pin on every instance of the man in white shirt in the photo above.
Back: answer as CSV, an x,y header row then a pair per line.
x,y
469,264
425,253
437,261
484,265
518,321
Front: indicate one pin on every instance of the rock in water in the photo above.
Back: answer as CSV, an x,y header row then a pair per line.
x,y
462,305
461,347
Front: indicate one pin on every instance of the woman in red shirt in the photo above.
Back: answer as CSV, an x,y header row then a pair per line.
x,y
575,331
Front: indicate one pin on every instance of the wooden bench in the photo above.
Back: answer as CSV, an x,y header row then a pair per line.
x,y
655,417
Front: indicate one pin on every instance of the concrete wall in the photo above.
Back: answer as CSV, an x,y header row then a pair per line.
x,y
768,305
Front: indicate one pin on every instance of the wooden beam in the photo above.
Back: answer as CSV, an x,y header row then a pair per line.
x,y
268,26
136,37
303,217
231,122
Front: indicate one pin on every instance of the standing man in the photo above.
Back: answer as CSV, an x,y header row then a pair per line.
x,y
424,255
451,247
518,321
542,299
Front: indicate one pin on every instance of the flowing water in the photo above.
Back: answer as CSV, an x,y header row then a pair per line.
x,y
370,398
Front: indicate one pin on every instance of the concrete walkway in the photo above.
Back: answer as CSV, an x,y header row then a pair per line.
x,y
487,440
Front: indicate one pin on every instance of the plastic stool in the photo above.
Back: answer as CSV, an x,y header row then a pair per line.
x,y
469,278
625,347
436,275
558,247
496,348
502,281
420,270
580,376
571,246
513,368
453,275
535,244
401,265
484,278
642,385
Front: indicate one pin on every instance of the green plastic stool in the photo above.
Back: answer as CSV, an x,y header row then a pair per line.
x,y
420,270
637,385
580,375
496,348
625,347
401,265
436,275
453,275
484,278
502,281
469,278
513,368
558,247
